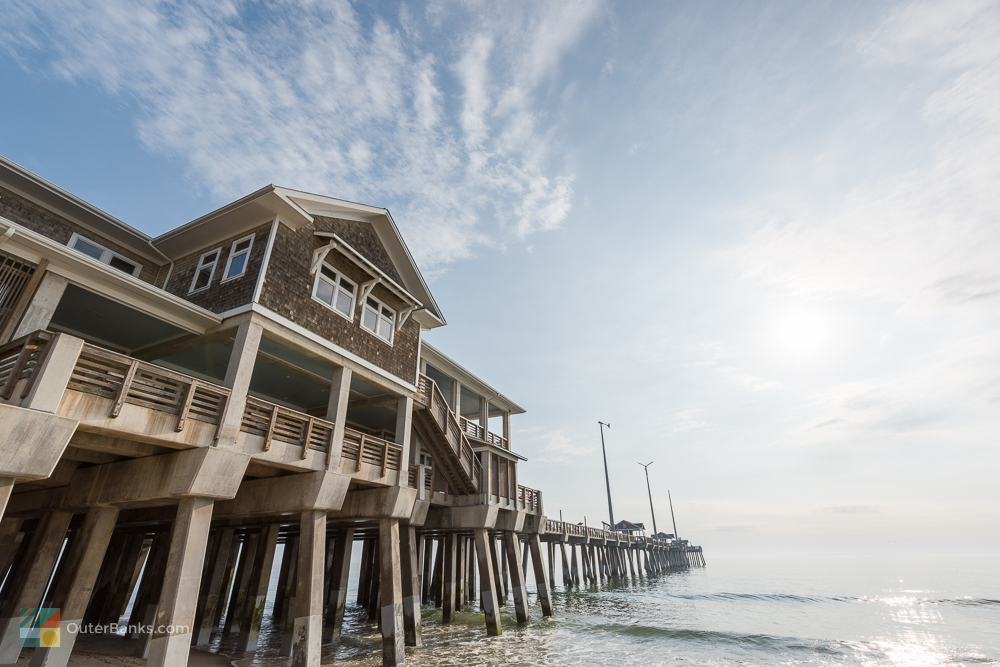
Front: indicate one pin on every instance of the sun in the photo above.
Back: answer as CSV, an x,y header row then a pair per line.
x,y
802,334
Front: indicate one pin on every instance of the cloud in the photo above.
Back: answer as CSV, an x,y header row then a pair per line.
x,y
386,110
849,509
554,446
926,237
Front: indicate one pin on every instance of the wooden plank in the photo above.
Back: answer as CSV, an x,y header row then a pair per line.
x,y
15,374
123,390
23,300
270,428
305,441
188,400
385,457
361,453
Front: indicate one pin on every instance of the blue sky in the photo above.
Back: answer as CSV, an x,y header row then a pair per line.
x,y
760,239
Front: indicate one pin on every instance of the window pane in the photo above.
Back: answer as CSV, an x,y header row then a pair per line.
x,y
88,249
387,313
329,273
373,304
324,290
347,284
385,329
368,320
237,265
242,245
345,303
122,265
204,274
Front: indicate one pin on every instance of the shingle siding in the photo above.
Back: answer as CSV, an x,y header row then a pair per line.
x,y
59,229
220,297
288,287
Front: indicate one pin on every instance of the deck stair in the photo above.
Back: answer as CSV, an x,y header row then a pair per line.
x,y
439,429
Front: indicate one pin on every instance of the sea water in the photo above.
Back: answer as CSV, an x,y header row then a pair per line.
x,y
804,610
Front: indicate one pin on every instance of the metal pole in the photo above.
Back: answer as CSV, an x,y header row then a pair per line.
x,y
676,536
646,467
607,480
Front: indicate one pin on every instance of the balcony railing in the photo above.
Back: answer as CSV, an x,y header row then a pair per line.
x,y
125,380
365,448
20,360
274,422
474,430
430,396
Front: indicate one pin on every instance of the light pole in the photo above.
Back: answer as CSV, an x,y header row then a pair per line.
x,y
676,536
648,490
607,480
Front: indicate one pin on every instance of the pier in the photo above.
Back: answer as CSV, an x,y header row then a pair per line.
x,y
174,410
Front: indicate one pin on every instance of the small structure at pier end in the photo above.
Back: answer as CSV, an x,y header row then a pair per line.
x,y
174,408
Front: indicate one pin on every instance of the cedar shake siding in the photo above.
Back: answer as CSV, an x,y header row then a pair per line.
x,y
221,296
41,220
288,292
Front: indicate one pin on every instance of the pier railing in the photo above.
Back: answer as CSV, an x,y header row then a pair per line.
x,y
529,500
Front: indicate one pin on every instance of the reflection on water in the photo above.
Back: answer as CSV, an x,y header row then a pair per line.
x,y
847,611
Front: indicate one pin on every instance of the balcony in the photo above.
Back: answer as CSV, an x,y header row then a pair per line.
x,y
474,430
113,395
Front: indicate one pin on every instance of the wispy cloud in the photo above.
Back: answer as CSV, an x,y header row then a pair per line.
x,y
926,237
317,96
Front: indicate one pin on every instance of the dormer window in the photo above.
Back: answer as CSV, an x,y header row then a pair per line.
x,y
239,257
104,255
378,319
206,271
334,290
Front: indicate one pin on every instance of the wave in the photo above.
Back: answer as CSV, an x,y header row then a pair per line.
x,y
814,599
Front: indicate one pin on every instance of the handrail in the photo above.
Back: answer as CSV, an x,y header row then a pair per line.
x,y
479,432
365,448
21,359
122,379
451,426
529,499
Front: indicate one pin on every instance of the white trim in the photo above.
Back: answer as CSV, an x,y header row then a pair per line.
x,y
319,256
107,254
267,260
319,340
353,255
232,252
378,319
336,290
201,264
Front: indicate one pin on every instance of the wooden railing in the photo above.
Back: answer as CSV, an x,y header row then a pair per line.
x,y
529,499
431,397
274,422
20,360
122,379
365,448
475,430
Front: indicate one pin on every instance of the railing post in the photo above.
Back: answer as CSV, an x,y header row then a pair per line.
x,y
49,380
305,441
123,389
188,400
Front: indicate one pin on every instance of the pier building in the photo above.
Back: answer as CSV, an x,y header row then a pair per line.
x,y
174,408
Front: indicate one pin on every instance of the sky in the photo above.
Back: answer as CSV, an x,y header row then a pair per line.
x,y
758,239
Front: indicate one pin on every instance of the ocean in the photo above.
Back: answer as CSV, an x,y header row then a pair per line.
x,y
807,610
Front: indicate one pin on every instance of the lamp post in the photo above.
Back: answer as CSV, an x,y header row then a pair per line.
x,y
676,536
607,480
648,490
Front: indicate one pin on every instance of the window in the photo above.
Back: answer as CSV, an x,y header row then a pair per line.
x,y
378,318
101,254
206,271
335,291
239,256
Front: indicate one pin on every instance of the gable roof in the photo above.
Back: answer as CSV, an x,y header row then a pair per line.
x,y
296,208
